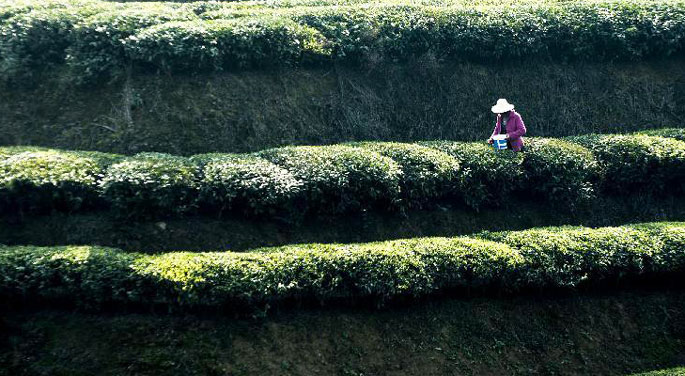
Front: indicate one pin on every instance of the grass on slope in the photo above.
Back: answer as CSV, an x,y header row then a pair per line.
x,y
620,334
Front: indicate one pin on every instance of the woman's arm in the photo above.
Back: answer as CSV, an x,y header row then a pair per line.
x,y
520,129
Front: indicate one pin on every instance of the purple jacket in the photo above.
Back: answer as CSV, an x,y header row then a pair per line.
x,y
515,129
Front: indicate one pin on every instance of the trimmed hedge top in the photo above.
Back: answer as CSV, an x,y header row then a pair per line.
x,y
339,177
565,257
246,183
97,39
294,180
40,179
677,133
489,177
560,170
634,162
154,182
49,168
428,173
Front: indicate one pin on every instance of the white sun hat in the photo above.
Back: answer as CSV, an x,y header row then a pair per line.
x,y
502,106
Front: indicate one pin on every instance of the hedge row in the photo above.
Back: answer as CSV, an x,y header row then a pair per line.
x,y
39,179
341,178
554,169
566,257
99,38
427,173
151,182
638,162
246,184
677,133
489,178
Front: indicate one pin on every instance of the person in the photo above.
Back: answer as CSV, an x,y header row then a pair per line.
x,y
509,122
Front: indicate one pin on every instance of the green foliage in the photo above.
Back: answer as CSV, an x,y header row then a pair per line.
x,y
151,184
428,174
508,261
35,40
671,236
352,32
227,44
638,162
677,133
41,180
560,171
676,371
35,37
489,176
99,43
86,274
339,178
102,38
245,183
365,175
8,151
569,256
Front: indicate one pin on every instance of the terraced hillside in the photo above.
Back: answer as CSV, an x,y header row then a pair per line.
x,y
303,187
253,75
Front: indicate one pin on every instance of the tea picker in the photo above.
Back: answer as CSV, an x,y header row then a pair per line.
x,y
509,127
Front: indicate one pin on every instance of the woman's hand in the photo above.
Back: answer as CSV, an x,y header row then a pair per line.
x,y
490,141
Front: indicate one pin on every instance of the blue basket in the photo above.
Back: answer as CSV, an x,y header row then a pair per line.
x,y
499,142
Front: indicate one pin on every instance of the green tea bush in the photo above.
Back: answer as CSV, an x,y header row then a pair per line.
x,y
489,176
41,180
587,30
672,257
227,44
36,40
151,184
428,174
677,133
339,178
99,43
389,175
546,258
672,237
93,275
9,10
8,151
560,171
562,31
209,36
569,256
246,184
90,275
638,162
352,32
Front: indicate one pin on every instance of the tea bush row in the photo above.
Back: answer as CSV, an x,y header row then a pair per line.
x,y
97,39
342,178
547,258
677,133
36,179
637,162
